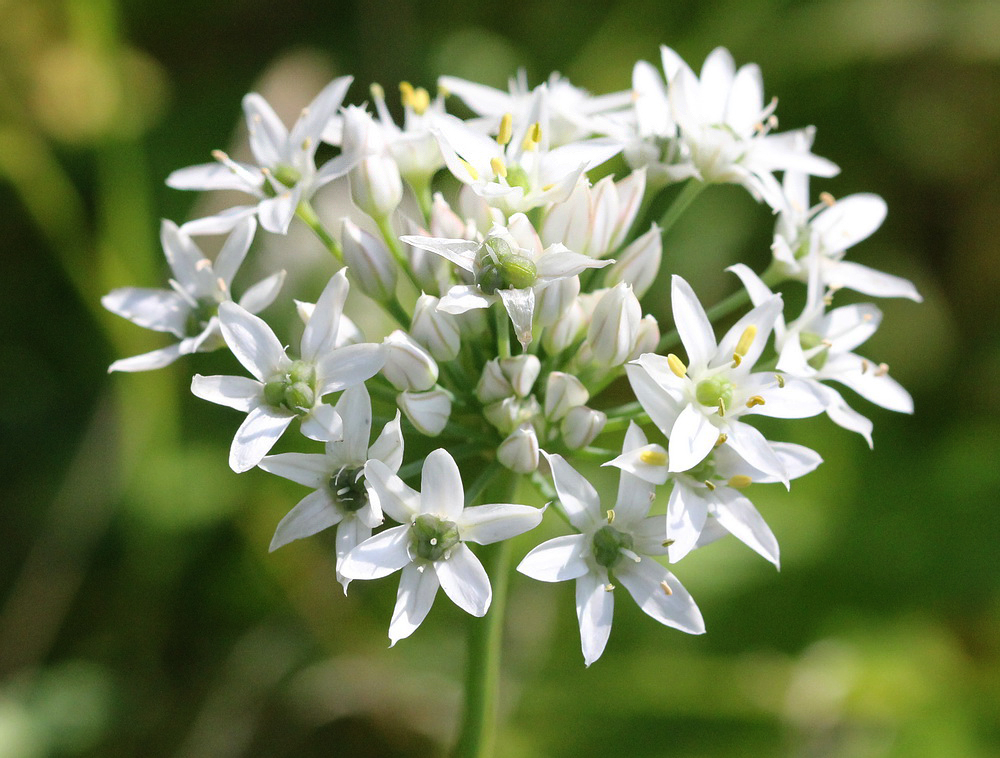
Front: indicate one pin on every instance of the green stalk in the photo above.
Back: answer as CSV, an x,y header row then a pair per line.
x,y
392,241
690,191
503,331
307,213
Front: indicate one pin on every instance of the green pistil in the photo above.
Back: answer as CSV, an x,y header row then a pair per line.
x,y
518,177
433,537
608,545
294,390
347,487
704,471
712,392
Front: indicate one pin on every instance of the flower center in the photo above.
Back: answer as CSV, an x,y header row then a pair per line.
x,y
285,175
716,392
608,545
200,315
498,267
294,390
812,341
433,537
347,487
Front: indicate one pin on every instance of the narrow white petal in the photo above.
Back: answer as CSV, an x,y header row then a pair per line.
x,y
686,513
355,410
350,533
262,294
691,323
159,310
251,340
850,326
322,423
751,446
644,582
267,134
520,305
211,176
761,318
256,436
662,408
441,489
239,392
577,497
464,580
348,365
871,384
149,361
314,513
557,559
741,519
868,281
320,334
691,439
557,263
388,447
849,221
394,496
417,590
234,250
308,469
798,398
379,556
595,607
276,213
486,524
219,223
460,252
634,462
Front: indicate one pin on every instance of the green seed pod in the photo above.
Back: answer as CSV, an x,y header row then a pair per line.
x,y
518,177
518,272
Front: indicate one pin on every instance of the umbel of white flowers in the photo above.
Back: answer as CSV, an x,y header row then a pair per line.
x,y
532,245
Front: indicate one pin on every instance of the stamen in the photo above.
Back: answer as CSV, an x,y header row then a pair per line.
x,y
668,542
746,340
755,400
740,481
677,366
609,587
867,317
882,370
547,187
611,515
307,143
827,199
506,129
532,138
826,343
421,100
443,91
202,264
666,588
737,360
653,457
377,92
498,167
722,407
864,366
781,381
221,284
721,440
710,485
472,171
406,93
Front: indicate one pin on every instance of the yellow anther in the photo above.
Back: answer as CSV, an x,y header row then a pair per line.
x,y
827,199
740,481
547,187
826,343
677,366
755,400
498,167
666,588
653,457
307,143
506,129
828,299
721,440
882,370
202,264
532,138
221,284
722,407
406,93
421,100
746,340
220,156
781,381
377,92
737,360
611,515
710,485
471,169
668,543
867,317
864,366
609,587
443,91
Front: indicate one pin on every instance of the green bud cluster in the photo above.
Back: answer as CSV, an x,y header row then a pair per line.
x,y
294,390
347,487
608,544
433,537
498,267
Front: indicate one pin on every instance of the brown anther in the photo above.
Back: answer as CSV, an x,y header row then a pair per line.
x,y
827,199
864,366
882,370
668,542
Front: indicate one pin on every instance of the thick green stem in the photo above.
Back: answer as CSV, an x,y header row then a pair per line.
x,y
503,331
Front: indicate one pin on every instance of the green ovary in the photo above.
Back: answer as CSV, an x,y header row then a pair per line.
x,y
433,537
295,390
499,267
711,391
608,545
347,487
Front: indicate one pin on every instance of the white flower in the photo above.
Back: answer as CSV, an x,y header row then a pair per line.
x,y
413,146
285,174
189,310
504,271
714,489
430,546
827,230
594,220
517,171
699,406
283,388
340,498
613,546
818,346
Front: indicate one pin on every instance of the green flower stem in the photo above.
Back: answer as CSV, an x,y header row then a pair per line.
x,y
622,422
503,331
477,738
425,197
690,191
307,213
392,241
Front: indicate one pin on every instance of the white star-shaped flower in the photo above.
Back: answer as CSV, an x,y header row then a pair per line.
x,y
285,174
430,546
282,388
340,498
189,310
613,546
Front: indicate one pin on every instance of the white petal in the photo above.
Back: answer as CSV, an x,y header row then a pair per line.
x,y
761,318
234,250
355,410
745,102
219,223
686,513
460,252
644,582
486,101
691,439
262,294
868,281
465,297
308,129
378,556
595,607
211,176
314,513
633,462
322,423
160,310
691,323
267,134
441,489
635,493
388,447
882,390
394,496
276,213
308,469
850,326
741,519
577,497
798,460
464,580
350,533
798,398
520,305
715,82
557,559
348,365
486,524
755,287
560,161
661,407
751,446
846,417
417,590
557,262
239,392
256,436
320,334
149,361
849,221
252,341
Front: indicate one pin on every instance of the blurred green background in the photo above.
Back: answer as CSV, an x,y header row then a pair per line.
x,y
140,613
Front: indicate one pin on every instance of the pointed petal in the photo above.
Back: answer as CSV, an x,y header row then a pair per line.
x,y
262,294
868,281
276,213
464,581
577,497
465,297
644,582
314,513
557,559
441,489
751,446
267,134
691,439
355,410
762,319
256,436
322,423
251,340
686,513
849,221
379,556
741,519
460,252
394,496
345,366
634,462
486,524
320,334
149,361
662,408
234,250
219,223
211,176
388,448
520,305
350,533
595,607
691,323
873,386
308,469
418,587
237,392
159,310
557,262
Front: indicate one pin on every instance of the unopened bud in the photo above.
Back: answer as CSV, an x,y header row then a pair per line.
x,y
638,263
566,330
519,452
376,186
369,261
521,371
648,337
407,365
512,412
435,330
493,384
581,425
427,411
553,301
614,326
563,392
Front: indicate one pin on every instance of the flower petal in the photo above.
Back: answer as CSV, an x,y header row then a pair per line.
x,y
156,309
557,560
388,447
741,519
401,502
239,392
644,582
691,323
314,513
149,361
322,423
345,366
355,410
692,437
464,580
460,252
252,341
267,134
751,446
262,294
441,489
234,250
379,556
687,510
256,436
595,607
868,281
320,334
520,305
308,469
350,533
418,587
486,524
577,497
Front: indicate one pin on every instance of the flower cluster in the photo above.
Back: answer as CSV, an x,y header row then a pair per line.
x,y
529,247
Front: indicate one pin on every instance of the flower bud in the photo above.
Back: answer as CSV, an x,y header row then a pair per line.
x,y
614,326
519,452
630,192
648,337
563,392
407,365
511,412
427,411
581,425
521,371
553,301
569,222
435,330
493,385
376,187
369,261
566,330
638,263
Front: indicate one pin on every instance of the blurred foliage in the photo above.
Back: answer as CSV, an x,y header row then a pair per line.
x,y
140,613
